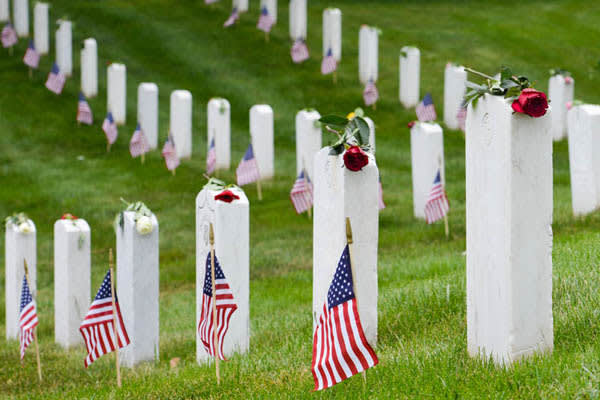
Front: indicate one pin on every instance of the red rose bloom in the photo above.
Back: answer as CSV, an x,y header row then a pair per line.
x,y
227,196
411,124
531,102
355,158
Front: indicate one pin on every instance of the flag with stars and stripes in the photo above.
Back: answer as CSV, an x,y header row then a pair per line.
x,y
461,117
233,17
265,21
299,51
340,348
169,153
329,63
370,94
381,203
138,144
9,36
211,158
32,57
109,126
84,112
225,307
56,80
247,171
437,205
302,193
426,110
28,318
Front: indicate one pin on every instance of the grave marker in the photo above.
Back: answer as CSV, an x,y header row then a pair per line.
x,y
21,17
147,109
332,32
427,155
4,11
455,78
368,54
89,68
40,28
64,47
117,92
298,19
308,140
560,92
181,122
261,132
410,71
219,128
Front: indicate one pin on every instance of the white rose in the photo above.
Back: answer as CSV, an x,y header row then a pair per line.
x,y
25,227
144,225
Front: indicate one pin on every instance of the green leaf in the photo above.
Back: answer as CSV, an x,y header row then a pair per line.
x,y
336,149
363,132
505,73
334,120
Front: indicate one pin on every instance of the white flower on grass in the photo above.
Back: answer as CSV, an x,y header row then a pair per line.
x,y
25,227
144,225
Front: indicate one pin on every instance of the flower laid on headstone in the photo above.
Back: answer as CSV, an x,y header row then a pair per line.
x,y
531,102
353,138
21,222
225,195
142,218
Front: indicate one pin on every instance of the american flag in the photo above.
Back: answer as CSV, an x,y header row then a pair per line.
x,y
170,154
329,63
32,57
28,318
138,144
84,112
225,308
265,21
299,51
302,193
461,116
232,18
381,203
9,36
56,80
98,329
110,128
370,94
426,110
211,158
437,205
247,171
340,348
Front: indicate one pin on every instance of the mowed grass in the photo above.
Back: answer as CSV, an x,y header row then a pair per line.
x,y
422,328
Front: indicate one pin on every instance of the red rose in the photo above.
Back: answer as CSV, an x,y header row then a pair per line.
x,y
355,158
531,102
227,196
68,216
411,124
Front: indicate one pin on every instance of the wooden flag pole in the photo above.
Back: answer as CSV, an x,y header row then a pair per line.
x,y
211,239
143,157
30,73
114,308
108,147
35,339
335,77
10,51
350,241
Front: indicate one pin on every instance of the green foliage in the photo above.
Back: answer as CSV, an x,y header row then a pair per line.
x,y
350,132
508,86
139,208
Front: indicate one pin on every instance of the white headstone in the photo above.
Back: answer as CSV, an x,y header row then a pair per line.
x,y
241,5
40,28
21,17
137,288
64,47
4,11
116,86
219,128
427,155
560,92
261,132
19,247
308,140
181,122
509,232
332,32
584,157
231,223
72,262
271,7
455,78
410,72
368,54
340,193
371,133
89,68
147,109
298,19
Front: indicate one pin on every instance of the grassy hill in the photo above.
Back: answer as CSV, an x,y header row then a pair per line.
x,y
49,166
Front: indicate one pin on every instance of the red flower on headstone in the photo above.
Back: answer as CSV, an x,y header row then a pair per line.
x,y
411,124
227,196
531,102
68,216
355,158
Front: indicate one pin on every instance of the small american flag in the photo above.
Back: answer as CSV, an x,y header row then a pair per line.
x,y
299,51
370,94
84,112
28,318
9,36
461,116
232,18
426,110
56,80
170,154
340,348
211,158
138,144
32,57
302,193
98,329
225,308
329,63
110,128
381,203
247,171
437,205
265,21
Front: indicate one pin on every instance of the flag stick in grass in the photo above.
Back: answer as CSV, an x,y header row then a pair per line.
x,y
211,239
114,311
35,340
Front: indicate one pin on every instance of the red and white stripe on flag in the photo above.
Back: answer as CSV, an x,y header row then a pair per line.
x,y
302,195
370,94
299,51
437,205
28,318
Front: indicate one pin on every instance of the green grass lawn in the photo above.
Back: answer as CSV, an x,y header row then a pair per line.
x,y
181,45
